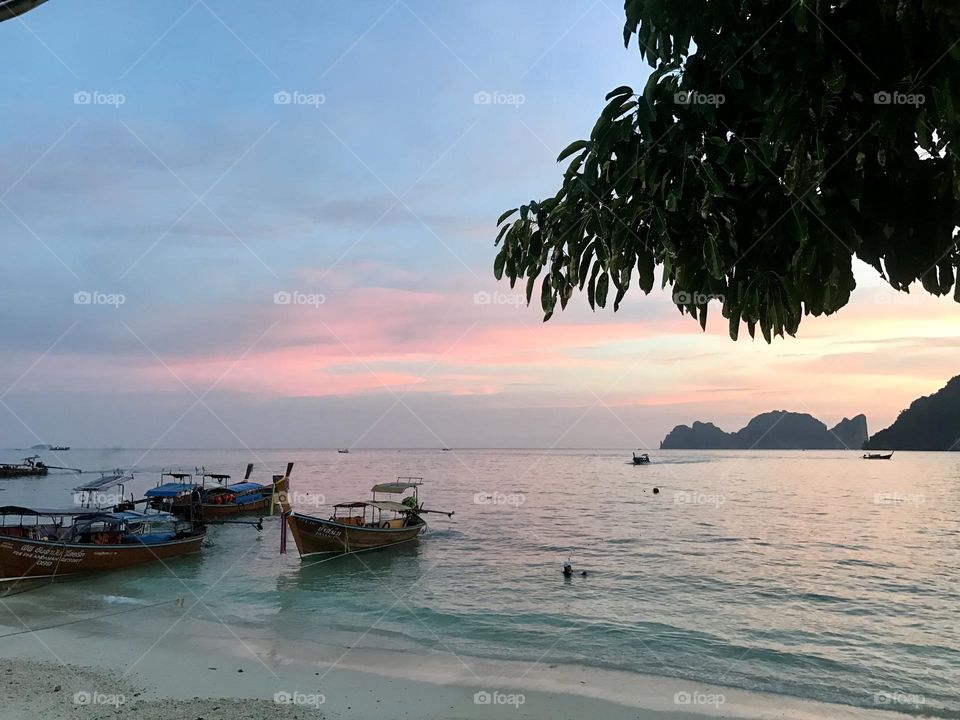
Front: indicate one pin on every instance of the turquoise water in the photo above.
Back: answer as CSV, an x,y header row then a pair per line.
x,y
813,574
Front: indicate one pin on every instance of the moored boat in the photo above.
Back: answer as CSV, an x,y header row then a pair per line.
x,y
640,458
45,543
360,525
243,498
878,456
29,467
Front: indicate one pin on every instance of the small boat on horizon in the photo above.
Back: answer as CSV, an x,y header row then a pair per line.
x,y
641,459
343,451
59,448
359,525
878,456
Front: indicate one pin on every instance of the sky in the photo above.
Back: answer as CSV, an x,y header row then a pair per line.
x,y
231,226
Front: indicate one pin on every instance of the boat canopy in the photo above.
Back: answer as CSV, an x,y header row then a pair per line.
x,y
244,487
170,490
217,476
48,512
394,487
132,516
105,482
379,505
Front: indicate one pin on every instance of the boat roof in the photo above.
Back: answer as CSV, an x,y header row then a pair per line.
x,y
217,476
394,487
378,504
132,516
244,486
169,490
105,481
179,475
47,512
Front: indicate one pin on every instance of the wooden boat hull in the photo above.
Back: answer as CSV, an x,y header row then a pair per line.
x,y
258,507
21,558
313,535
25,472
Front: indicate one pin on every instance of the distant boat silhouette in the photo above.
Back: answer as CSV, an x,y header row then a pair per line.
x,y
343,451
877,456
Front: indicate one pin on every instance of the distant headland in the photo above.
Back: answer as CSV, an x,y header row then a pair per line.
x,y
777,430
931,422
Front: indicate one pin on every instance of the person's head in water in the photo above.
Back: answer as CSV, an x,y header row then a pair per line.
x,y
567,569
656,491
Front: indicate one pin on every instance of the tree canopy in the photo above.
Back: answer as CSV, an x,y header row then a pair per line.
x,y
772,143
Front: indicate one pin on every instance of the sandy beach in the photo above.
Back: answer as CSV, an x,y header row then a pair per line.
x,y
173,665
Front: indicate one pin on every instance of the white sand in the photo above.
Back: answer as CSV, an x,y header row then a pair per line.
x,y
168,664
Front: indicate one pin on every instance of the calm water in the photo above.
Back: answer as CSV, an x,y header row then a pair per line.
x,y
813,574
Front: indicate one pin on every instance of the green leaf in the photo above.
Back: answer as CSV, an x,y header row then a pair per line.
x,y
572,148
507,214
602,286
498,264
622,90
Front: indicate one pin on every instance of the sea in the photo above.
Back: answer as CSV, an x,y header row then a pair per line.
x,y
811,574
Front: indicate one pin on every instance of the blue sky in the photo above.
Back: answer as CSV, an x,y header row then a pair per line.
x,y
147,156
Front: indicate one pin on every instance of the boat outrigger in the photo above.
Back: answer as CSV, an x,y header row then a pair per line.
x,y
641,459
878,456
44,543
361,525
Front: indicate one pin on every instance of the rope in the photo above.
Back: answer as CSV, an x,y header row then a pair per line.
x,y
80,620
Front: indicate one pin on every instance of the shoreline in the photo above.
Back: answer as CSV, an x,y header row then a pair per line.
x,y
175,665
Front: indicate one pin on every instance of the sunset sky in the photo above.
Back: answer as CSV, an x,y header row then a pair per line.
x,y
189,167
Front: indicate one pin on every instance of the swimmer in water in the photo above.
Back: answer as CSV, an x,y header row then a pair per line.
x,y
567,569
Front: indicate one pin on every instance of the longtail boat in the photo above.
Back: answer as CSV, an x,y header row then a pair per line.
x,y
176,493
29,467
641,459
360,525
243,498
878,456
44,543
